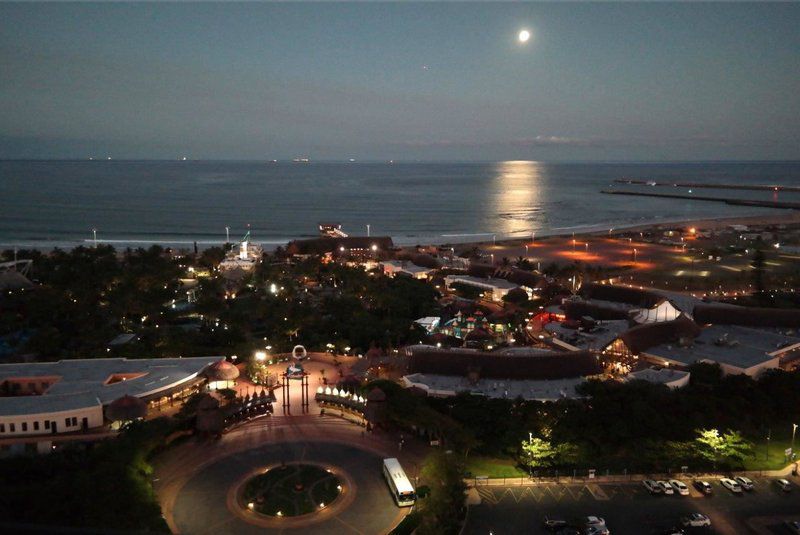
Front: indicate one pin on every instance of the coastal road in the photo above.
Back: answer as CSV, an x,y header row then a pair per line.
x,y
630,510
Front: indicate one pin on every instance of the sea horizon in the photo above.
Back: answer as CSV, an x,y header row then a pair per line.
x,y
57,203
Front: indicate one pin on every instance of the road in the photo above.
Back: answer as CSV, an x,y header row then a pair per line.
x,y
630,510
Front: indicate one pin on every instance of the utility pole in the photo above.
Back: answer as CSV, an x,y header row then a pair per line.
x,y
94,235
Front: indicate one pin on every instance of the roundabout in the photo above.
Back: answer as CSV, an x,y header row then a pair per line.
x,y
290,490
283,487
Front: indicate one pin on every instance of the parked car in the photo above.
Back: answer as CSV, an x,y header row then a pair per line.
x,y
793,526
696,520
784,484
673,531
652,486
553,524
679,486
703,486
745,482
666,488
731,485
596,526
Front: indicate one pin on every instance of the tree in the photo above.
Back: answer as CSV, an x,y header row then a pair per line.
x,y
518,296
729,447
538,452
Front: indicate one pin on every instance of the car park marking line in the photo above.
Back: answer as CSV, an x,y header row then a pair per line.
x,y
597,492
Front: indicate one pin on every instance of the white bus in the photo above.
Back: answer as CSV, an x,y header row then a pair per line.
x,y
401,487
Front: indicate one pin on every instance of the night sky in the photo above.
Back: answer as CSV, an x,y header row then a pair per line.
x,y
400,81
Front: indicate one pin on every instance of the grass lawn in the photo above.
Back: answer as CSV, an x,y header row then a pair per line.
x,y
491,467
776,461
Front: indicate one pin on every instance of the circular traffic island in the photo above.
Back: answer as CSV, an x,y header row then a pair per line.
x,y
291,490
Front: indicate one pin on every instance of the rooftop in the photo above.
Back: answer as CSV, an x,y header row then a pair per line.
x,y
478,281
86,382
742,347
448,385
658,375
597,338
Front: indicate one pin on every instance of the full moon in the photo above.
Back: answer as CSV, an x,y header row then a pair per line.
x,y
524,35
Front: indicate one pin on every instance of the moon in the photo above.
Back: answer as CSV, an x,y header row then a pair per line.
x,y
524,36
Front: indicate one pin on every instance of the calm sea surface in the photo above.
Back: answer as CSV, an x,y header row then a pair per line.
x,y
57,203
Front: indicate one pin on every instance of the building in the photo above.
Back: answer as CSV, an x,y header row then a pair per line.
x,y
495,289
392,268
70,396
244,258
737,350
585,335
520,372
357,246
666,376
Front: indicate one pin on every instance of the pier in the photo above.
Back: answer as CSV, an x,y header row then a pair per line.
x,y
736,202
752,187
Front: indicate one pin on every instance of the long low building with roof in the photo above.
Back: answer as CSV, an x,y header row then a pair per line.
x,y
70,396
498,288
737,350
522,372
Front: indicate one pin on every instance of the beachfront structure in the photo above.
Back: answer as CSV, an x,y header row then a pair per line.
x,y
495,289
351,246
245,257
392,268
70,396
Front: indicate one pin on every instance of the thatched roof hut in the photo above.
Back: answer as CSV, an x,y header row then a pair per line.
x,y
221,371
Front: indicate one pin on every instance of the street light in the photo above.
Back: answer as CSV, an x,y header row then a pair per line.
x,y
526,250
794,431
227,234
261,355
94,234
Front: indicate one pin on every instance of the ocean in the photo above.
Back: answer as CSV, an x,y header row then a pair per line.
x,y
48,204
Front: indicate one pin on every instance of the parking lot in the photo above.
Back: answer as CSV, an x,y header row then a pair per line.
x,y
629,508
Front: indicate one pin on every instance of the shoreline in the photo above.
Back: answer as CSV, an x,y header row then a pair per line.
x,y
477,239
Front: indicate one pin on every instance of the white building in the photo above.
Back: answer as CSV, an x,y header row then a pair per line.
x,y
392,268
498,288
68,396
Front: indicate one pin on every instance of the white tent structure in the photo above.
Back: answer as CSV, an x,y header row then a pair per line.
x,y
663,311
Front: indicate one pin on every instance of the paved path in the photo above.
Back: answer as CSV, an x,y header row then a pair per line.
x,y
193,480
